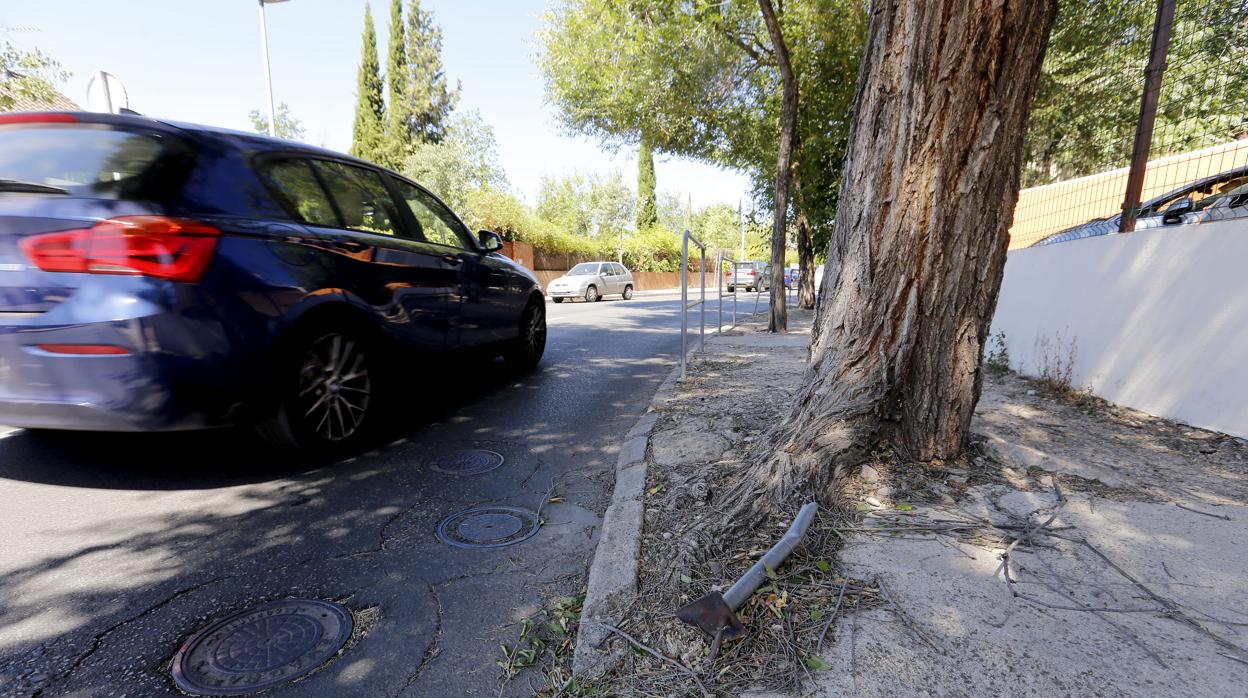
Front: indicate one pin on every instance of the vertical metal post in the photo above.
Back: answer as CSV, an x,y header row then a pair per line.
x,y
719,288
268,80
702,305
1148,113
684,300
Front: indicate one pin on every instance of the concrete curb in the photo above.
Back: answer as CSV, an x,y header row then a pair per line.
x,y
613,572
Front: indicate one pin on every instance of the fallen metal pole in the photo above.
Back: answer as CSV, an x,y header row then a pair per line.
x,y
772,560
715,614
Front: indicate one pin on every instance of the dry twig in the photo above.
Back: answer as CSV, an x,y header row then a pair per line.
x,y
1205,513
904,617
832,616
667,660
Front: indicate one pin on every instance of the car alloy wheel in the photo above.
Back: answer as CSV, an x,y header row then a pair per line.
x,y
528,348
628,293
335,388
591,294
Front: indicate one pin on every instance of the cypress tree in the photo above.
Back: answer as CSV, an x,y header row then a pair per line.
x,y
368,132
398,131
647,209
431,98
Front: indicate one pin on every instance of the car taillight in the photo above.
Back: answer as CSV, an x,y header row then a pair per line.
x,y
38,118
155,246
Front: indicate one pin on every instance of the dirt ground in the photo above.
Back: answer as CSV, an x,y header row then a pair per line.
x,y
1079,549
1136,587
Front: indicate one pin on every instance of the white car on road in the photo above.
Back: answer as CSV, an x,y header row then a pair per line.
x,y
592,281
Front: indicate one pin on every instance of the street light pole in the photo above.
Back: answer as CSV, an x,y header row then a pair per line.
x,y
268,79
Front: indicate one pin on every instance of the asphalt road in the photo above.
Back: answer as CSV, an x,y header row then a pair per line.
x,y
116,548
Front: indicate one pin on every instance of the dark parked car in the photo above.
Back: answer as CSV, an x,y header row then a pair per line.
x,y
1168,209
161,276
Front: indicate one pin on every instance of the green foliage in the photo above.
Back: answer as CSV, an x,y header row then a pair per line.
x,y
587,205
1087,101
398,128
647,213
997,360
288,126
699,80
430,99
466,160
27,74
368,131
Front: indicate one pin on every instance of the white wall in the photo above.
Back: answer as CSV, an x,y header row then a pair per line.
x,y
1160,318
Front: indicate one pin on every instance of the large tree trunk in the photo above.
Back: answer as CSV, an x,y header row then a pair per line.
x,y
779,321
805,249
917,251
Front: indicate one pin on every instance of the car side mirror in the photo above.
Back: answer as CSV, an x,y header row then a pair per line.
x,y
1173,214
490,241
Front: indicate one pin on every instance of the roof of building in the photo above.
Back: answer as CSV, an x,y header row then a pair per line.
x,y
24,102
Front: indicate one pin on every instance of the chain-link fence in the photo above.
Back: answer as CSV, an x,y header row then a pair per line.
x,y
1140,120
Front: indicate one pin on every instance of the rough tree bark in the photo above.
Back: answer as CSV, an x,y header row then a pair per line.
x,y
805,248
779,321
918,248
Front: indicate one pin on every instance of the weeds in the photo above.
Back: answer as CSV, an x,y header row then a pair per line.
x,y
997,360
547,641
1056,363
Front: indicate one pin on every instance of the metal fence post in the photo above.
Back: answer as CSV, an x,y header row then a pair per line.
x,y
719,288
702,304
684,300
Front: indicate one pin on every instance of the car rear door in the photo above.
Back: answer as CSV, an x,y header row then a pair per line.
x,y
371,253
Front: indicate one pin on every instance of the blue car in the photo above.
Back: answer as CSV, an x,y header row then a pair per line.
x,y
163,276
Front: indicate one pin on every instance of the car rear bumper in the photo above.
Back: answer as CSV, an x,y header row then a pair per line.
x,y
178,373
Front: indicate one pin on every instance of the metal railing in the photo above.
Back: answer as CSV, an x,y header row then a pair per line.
x,y
684,297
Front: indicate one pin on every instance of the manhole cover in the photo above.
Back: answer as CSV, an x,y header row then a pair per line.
x,y
488,527
261,648
469,461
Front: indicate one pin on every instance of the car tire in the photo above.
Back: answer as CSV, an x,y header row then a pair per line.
x,y
328,391
732,289
628,292
591,294
749,289
526,351
557,300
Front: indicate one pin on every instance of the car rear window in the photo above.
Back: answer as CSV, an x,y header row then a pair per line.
x,y
93,161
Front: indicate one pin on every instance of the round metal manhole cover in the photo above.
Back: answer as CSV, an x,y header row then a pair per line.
x,y
261,648
488,527
469,461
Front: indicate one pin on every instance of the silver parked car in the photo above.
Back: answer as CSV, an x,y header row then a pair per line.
x,y
592,281
752,275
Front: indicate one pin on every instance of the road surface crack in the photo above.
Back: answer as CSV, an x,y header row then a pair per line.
x,y
435,644
98,640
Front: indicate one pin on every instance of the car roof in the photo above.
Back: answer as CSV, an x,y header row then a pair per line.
x,y
255,141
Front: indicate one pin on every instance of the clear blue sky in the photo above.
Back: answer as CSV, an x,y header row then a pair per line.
x,y
199,61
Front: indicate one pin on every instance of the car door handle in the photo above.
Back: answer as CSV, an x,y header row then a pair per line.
x,y
350,245
452,260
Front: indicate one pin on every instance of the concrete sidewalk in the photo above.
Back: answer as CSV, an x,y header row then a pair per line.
x,y
1081,549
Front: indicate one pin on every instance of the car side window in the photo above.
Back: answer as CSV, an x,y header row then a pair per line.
x,y
299,192
437,224
619,269
362,198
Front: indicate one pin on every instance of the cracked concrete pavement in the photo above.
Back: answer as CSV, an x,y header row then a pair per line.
x,y
117,547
